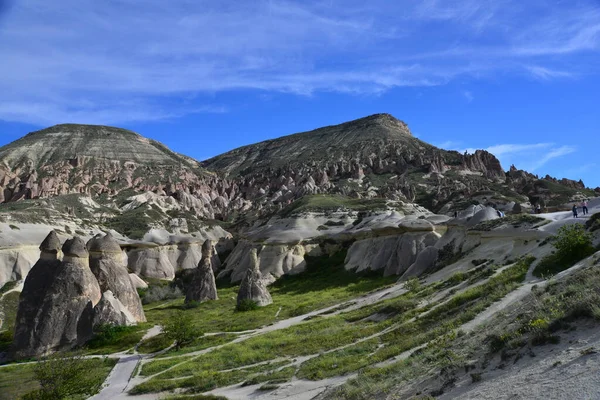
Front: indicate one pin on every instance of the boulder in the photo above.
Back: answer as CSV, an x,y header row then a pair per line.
x,y
424,262
253,287
487,214
110,311
112,275
151,262
65,317
36,285
203,287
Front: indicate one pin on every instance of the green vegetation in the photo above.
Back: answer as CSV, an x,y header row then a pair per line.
x,y
202,380
135,223
55,378
324,283
330,202
9,304
572,244
340,362
112,339
553,309
8,286
593,224
159,291
435,328
180,329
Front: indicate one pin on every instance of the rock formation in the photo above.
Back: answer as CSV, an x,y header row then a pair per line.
x,y
66,313
110,311
202,286
112,275
253,288
37,283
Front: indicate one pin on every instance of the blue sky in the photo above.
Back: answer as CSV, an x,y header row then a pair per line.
x,y
520,78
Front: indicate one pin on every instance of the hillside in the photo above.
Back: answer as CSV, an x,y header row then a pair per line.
x,y
377,156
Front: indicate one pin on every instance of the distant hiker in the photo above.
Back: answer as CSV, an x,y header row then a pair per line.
x,y
584,208
455,214
538,209
575,210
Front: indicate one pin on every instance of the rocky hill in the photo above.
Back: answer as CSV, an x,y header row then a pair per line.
x,y
377,156
372,157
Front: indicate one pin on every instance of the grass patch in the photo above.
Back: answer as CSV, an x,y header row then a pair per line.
x,y
18,380
9,304
339,362
280,376
325,282
199,381
110,339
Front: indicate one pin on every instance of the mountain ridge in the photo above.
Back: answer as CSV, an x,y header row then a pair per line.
x,y
371,157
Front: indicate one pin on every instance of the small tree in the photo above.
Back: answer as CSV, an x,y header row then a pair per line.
x,y
61,377
573,243
180,328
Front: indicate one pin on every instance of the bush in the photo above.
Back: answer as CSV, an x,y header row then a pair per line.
x,y
247,305
572,244
180,328
412,285
62,377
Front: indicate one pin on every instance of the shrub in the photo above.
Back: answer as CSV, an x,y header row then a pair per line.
x,y
572,244
412,285
63,377
180,328
247,305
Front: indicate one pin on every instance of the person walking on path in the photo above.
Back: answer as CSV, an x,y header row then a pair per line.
x,y
538,209
584,208
575,210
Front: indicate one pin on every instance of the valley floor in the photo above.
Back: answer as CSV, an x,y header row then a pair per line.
x,y
472,330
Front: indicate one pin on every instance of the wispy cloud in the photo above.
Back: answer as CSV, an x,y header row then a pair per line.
x,y
546,73
530,157
115,61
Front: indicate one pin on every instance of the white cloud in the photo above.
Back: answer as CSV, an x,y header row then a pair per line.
x,y
121,60
546,73
529,157
468,96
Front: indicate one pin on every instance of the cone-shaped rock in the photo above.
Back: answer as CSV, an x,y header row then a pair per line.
x,y
106,264
253,287
110,311
66,312
203,286
36,285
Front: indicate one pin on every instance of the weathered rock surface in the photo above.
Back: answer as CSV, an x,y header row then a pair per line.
x,y
425,261
392,254
161,255
275,260
137,282
203,286
32,296
486,214
106,262
253,287
110,311
66,313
